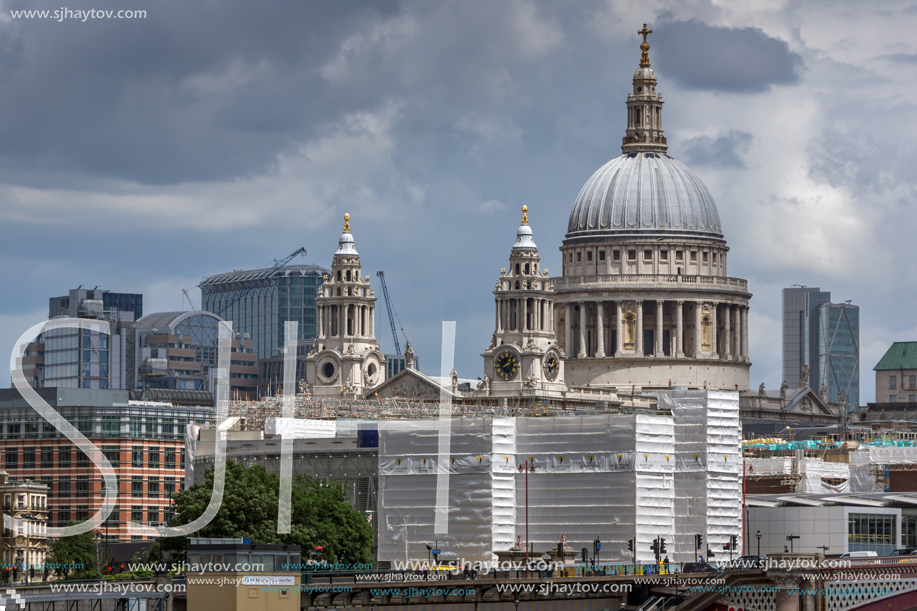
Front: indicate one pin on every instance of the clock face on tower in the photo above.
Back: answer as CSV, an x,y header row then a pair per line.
x,y
551,366
507,365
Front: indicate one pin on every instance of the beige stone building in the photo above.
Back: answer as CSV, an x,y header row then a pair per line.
x,y
345,359
25,543
644,300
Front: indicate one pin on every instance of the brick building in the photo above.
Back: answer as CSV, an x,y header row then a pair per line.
x,y
144,441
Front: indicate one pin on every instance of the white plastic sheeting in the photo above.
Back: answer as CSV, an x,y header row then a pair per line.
x,y
616,477
708,486
300,428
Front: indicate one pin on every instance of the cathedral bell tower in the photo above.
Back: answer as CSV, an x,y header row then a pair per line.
x,y
345,359
523,353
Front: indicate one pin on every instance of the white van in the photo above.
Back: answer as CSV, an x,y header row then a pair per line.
x,y
869,554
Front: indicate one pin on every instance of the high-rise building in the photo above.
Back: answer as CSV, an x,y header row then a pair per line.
x,y
823,337
837,351
288,294
74,357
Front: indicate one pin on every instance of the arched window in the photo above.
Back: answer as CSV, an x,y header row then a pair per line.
x,y
526,268
517,284
339,275
517,269
348,275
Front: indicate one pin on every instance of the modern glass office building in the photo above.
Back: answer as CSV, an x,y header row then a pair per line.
x,y
288,294
825,337
837,347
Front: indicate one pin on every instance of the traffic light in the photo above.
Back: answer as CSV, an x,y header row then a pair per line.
x,y
630,545
698,541
735,541
655,548
584,555
662,546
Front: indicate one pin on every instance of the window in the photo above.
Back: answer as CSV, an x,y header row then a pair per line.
x,y
893,399
48,480
63,518
579,257
913,381
64,457
113,454
714,258
170,458
137,486
137,513
663,255
871,532
679,255
81,459
631,255
137,456
82,512
571,257
647,255
153,514
693,256
82,485
12,458
912,398
153,486
893,381
169,485
63,486
589,255
601,255
47,457
12,431
28,458
154,458
616,255
705,257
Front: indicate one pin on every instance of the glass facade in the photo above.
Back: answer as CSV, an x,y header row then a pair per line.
x,y
794,333
838,354
872,532
289,294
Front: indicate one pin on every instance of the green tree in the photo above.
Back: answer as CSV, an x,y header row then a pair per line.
x,y
320,514
78,551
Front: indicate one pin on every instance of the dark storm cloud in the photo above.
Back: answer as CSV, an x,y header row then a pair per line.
x,y
196,91
742,60
723,151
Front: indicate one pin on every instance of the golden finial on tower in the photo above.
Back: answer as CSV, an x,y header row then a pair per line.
x,y
644,46
525,216
346,222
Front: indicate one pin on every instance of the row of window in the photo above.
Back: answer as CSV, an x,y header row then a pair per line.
x,y
893,381
65,516
910,398
67,487
647,256
155,458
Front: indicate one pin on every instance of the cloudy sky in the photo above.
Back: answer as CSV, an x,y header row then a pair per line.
x,y
143,155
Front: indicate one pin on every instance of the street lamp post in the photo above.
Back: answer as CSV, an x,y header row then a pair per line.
x,y
758,536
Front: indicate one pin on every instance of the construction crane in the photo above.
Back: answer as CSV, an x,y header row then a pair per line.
x,y
259,280
391,310
188,298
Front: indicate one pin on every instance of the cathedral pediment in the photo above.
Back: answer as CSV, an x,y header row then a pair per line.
x,y
409,384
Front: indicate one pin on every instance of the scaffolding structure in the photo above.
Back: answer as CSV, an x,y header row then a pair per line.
x,y
255,414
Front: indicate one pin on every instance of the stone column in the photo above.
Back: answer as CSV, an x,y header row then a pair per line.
x,y
745,311
568,338
600,330
581,353
714,348
619,332
638,344
698,334
372,322
679,330
660,351
727,332
318,329
523,303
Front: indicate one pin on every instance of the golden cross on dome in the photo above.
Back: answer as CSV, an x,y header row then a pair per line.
x,y
346,223
525,216
644,46
644,32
